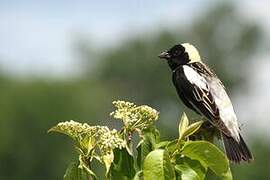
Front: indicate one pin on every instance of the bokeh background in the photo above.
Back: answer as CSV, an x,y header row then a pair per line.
x,y
62,60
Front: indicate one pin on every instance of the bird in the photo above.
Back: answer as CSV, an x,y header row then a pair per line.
x,y
202,91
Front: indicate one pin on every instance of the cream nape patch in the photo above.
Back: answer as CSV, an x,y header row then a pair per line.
x,y
193,53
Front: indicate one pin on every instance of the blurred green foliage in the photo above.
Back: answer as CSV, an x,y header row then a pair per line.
x,y
129,71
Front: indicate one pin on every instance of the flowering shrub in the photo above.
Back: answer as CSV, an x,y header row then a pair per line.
x,y
181,158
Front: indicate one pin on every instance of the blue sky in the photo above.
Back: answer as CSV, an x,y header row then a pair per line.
x,y
37,37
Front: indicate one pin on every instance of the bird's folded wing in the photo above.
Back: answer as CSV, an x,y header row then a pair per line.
x,y
200,96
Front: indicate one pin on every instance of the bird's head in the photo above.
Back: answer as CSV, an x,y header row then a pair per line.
x,y
180,54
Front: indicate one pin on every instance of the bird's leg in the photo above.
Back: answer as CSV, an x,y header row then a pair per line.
x,y
206,132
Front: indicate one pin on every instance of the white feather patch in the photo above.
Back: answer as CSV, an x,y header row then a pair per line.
x,y
225,107
195,78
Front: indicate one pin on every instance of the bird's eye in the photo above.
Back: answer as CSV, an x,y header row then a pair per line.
x,y
176,52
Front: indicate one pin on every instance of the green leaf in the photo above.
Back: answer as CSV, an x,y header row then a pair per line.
x,y
83,166
190,169
182,125
87,144
172,146
146,145
227,175
74,173
187,173
91,144
138,176
108,159
162,144
154,131
123,164
191,129
209,156
114,175
157,166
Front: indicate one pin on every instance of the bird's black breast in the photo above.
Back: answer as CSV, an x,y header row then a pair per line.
x,y
182,87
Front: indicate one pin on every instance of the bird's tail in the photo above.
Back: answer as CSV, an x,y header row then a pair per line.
x,y
236,151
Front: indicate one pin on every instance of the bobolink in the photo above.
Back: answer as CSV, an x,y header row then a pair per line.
x,y
201,90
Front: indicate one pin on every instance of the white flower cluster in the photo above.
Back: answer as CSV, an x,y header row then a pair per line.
x,y
105,138
73,129
109,140
134,117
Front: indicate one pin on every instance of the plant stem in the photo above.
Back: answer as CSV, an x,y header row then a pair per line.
x,y
89,165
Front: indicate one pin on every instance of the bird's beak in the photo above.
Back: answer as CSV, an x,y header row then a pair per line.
x,y
164,55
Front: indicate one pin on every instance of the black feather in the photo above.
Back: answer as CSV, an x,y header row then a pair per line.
x,y
236,151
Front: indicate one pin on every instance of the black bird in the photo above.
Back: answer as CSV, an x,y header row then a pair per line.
x,y
201,90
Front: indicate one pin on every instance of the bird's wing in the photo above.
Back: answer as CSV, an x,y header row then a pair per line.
x,y
199,93
223,102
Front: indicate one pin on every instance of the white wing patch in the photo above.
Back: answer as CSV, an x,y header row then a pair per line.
x,y
225,107
195,78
